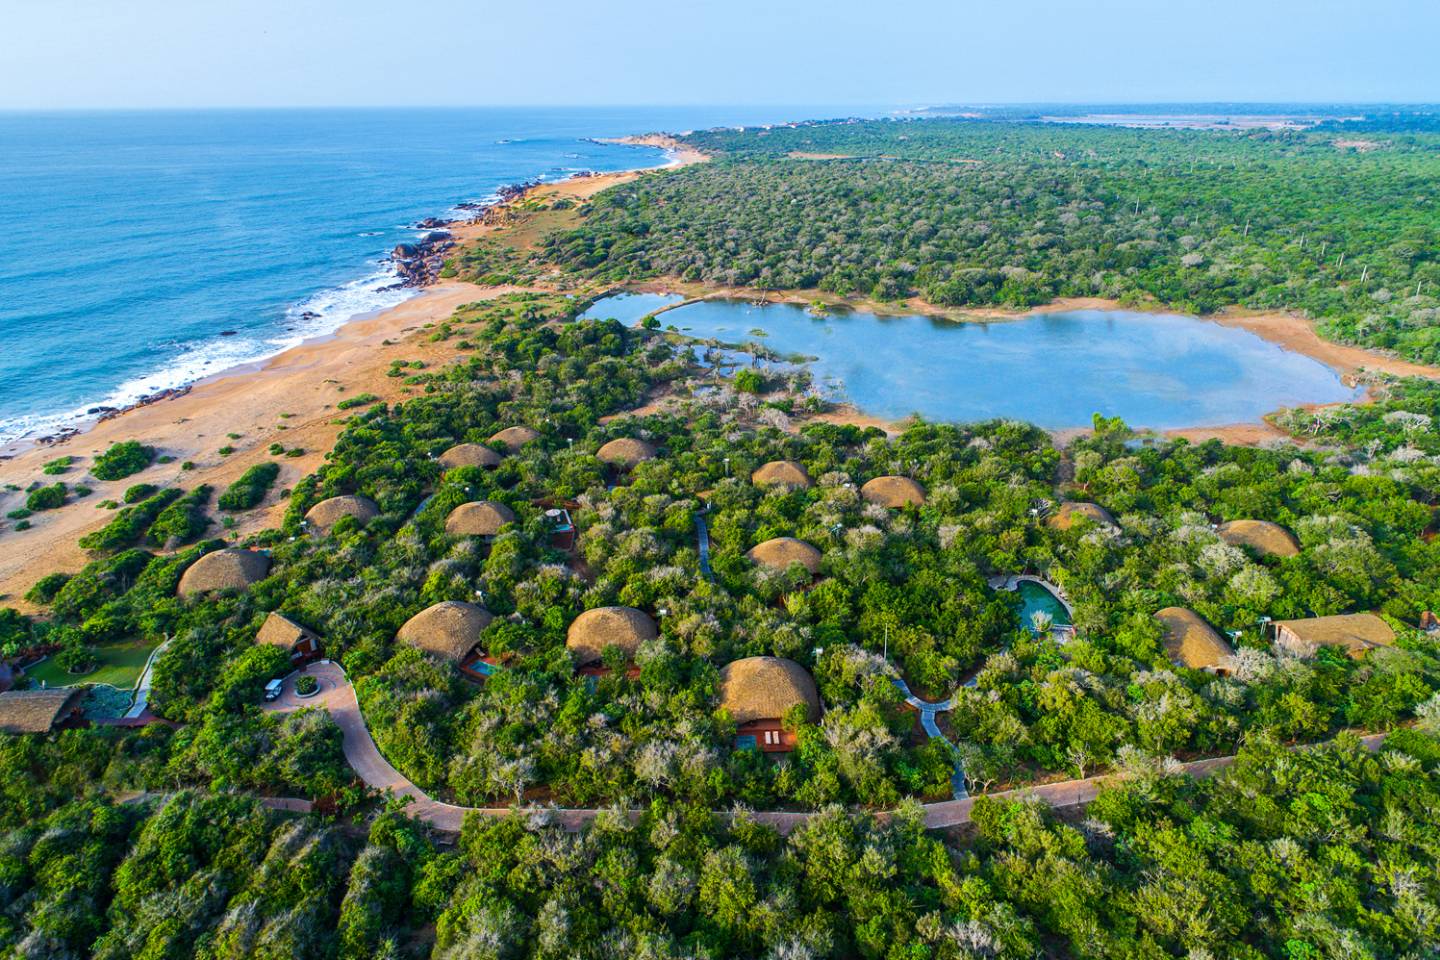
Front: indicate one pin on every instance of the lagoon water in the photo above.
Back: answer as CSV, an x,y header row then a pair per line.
x,y
131,241
1055,370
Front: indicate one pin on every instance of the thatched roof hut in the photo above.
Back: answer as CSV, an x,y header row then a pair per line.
x,y
626,453
513,438
37,711
781,552
279,630
482,518
1066,515
470,455
1357,633
448,630
789,474
327,513
595,630
1191,642
765,688
1262,536
228,569
893,492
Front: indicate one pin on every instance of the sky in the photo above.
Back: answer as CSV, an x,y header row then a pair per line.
x,y
63,54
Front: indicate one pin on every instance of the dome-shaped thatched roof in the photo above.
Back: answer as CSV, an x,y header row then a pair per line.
x,y
483,518
625,452
765,688
1070,511
228,569
1262,536
1190,641
594,630
280,631
449,630
327,513
780,552
782,473
513,438
893,492
470,455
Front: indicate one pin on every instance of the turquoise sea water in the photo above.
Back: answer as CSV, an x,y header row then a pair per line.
x,y
130,242
1055,370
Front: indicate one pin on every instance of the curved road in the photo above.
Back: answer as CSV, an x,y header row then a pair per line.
x,y
338,697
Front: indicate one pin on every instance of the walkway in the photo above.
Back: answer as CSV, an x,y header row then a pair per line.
x,y
702,539
142,686
338,697
927,711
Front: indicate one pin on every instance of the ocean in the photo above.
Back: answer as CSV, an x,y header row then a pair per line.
x,y
141,251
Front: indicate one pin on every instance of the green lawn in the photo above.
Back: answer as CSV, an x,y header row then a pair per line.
x,y
120,665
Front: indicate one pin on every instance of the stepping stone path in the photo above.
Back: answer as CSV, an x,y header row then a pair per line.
x,y
927,711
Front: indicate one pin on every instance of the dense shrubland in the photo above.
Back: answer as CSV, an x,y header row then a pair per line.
x,y
977,213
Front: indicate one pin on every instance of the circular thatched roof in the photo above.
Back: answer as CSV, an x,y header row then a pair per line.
x,y
1262,536
470,455
449,630
1069,512
327,513
765,688
893,492
780,552
782,473
228,569
594,630
626,452
280,631
1190,641
513,438
482,518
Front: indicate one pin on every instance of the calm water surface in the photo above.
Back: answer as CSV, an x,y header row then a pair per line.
x,y
1055,370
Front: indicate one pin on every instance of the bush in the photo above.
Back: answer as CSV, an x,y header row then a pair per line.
x,y
122,459
76,657
306,685
138,492
46,587
46,498
130,523
251,488
359,401
182,522
749,381
57,466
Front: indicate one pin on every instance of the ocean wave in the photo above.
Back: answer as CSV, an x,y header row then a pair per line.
x,y
316,316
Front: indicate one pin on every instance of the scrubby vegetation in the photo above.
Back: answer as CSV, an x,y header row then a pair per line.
x,y
250,489
122,459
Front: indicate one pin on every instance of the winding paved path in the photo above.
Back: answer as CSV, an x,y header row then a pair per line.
x,y
338,697
927,711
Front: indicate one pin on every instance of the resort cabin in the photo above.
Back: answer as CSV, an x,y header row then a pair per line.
x,y
482,518
893,492
513,438
1072,511
786,474
1192,643
40,711
230,569
758,692
1265,538
470,455
450,631
626,453
597,630
1357,633
325,514
781,552
279,630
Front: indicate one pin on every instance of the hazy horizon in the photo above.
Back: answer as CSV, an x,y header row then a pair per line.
x,y
165,54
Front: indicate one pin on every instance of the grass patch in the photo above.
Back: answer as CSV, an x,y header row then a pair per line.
x,y
119,664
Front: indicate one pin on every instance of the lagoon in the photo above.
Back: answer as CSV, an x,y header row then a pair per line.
x,y
1056,370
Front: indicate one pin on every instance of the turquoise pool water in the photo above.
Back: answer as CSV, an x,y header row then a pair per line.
x,y
1055,370
1036,599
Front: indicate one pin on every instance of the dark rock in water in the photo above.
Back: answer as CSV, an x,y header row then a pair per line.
x,y
435,236
309,315
227,333
404,251
94,410
432,223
